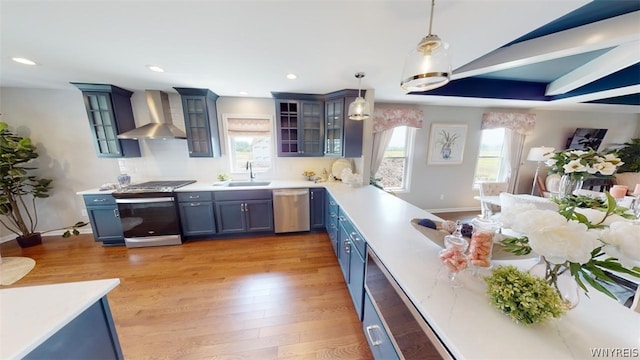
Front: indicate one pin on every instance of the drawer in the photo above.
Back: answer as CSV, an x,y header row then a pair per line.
x,y
377,337
92,200
354,234
243,195
194,196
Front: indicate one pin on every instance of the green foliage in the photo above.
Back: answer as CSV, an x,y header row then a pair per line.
x,y
630,155
568,204
19,189
524,297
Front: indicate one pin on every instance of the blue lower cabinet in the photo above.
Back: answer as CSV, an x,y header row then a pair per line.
x,y
103,217
196,214
316,208
377,337
331,221
244,216
351,261
196,219
91,335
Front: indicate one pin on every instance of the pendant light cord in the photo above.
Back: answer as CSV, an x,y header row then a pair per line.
x,y
433,4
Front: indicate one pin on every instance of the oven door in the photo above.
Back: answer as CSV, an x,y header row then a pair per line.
x,y
149,221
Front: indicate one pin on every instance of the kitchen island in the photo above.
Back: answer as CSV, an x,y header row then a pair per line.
x,y
464,321
58,321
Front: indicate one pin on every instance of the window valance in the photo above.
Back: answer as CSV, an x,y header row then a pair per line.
x,y
519,122
385,118
248,126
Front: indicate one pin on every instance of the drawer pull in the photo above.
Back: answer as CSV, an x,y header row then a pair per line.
x,y
194,204
374,340
194,196
354,236
116,213
100,200
341,218
347,246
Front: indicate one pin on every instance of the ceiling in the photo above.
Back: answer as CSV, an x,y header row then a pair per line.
x,y
574,54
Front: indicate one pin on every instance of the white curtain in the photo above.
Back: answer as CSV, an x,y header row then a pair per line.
x,y
380,142
517,126
513,146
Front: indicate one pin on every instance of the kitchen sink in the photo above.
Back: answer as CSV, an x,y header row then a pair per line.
x,y
248,183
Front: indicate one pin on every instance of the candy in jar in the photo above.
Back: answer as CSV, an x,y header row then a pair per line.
x,y
453,256
481,243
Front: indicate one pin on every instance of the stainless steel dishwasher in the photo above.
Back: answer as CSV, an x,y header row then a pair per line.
x,y
291,210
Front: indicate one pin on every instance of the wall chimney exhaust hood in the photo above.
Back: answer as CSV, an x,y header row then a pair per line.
x,y
161,126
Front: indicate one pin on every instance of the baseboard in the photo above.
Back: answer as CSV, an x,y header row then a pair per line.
x,y
449,210
10,237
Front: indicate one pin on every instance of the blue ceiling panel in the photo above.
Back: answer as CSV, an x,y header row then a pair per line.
x,y
633,99
492,89
596,10
626,77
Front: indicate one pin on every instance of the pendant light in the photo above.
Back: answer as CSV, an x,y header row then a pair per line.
x,y
427,66
359,109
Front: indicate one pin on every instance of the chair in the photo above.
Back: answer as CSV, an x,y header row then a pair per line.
x,y
491,189
507,200
597,184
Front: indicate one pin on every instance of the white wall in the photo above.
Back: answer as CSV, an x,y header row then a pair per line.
x,y
57,123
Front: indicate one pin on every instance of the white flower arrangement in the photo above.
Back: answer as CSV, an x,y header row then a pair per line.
x,y
570,241
582,163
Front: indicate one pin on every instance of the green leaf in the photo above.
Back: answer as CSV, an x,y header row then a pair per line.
x,y
596,285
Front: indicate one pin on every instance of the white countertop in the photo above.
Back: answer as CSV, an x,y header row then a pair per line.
x,y
218,186
30,315
462,317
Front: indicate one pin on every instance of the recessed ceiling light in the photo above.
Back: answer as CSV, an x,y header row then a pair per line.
x,y
155,68
292,76
23,61
243,93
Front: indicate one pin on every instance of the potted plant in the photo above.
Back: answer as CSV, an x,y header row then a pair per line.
x,y
19,189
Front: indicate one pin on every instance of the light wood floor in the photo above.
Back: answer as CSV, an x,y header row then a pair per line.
x,y
276,297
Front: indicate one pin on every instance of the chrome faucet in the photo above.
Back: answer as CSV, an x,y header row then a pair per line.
x,y
250,168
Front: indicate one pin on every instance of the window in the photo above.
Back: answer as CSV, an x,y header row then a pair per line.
x,y
249,139
490,156
394,170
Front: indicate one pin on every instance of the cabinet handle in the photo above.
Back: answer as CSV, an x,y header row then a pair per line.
x,y
332,226
100,200
194,204
116,213
341,218
332,215
354,236
194,196
374,340
245,207
312,196
332,203
242,207
347,246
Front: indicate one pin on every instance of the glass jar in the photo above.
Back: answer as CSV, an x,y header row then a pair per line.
x,y
124,180
453,257
481,245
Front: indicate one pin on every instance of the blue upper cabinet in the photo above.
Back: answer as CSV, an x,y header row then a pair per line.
x,y
343,136
110,113
201,121
300,124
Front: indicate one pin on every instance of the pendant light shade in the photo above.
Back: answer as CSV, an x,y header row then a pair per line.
x,y
359,109
427,66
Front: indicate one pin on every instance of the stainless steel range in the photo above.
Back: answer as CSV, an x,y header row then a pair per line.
x,y
148,213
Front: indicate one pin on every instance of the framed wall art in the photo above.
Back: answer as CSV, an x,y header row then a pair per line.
x,y
446,144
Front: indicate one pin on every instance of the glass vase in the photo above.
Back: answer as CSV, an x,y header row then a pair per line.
x,y
560,278
570,183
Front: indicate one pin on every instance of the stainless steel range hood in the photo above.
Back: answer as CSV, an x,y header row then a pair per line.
x,y
161,126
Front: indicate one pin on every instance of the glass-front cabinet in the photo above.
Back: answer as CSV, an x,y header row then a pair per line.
x,y
201,121
110,113
333,124
300,124
343,136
